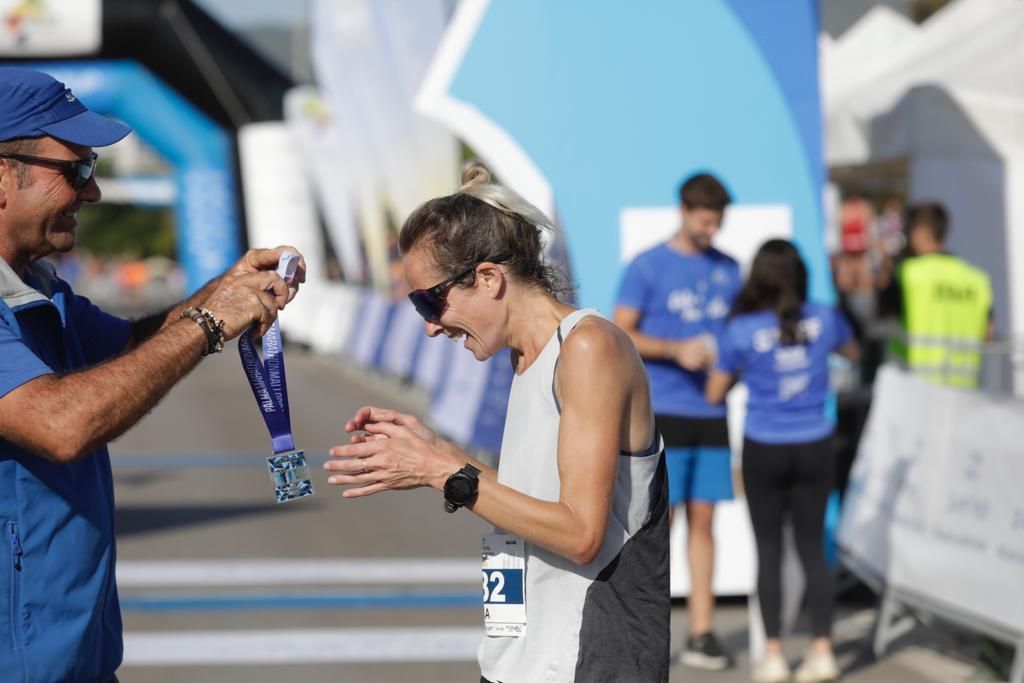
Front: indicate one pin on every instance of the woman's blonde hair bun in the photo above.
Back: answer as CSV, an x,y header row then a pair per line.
x,y
477,182
474,173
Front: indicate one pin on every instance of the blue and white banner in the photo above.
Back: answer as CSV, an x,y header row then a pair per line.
x,y
432,358
366,338
403,337
470,405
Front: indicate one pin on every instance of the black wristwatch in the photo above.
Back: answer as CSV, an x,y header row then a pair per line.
x,y
460,488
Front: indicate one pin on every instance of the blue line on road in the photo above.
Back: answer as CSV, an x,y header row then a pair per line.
x,y
284,602
171,461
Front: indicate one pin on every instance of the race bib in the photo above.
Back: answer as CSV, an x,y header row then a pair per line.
x,y
504,571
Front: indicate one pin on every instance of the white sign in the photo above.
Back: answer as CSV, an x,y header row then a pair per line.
x,y
745,228
934,505
50,28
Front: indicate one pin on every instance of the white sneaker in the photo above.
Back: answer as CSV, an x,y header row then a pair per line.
x,y
771,669
817,669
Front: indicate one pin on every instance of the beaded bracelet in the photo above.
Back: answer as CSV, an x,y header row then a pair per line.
x,y
211,327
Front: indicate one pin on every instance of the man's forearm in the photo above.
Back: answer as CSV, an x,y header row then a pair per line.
x,y
64,417
87,409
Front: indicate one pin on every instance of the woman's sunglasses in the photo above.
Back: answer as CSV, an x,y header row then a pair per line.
x,y
430,303
78,172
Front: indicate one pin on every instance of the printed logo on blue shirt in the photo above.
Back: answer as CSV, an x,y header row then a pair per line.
x,y
790,358
687,304
718,308
766,338
788,384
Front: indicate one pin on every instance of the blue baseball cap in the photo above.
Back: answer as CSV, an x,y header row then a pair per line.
x,y
34,104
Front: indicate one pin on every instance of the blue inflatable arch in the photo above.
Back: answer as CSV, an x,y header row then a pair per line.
x,y
200,151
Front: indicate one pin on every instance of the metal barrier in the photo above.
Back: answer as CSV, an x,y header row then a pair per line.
x,y
1002,367
901,438
901,611
1002,370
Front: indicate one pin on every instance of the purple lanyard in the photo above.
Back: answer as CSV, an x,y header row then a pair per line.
x,y
266,376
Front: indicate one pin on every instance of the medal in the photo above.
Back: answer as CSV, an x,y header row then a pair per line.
x,y
289,472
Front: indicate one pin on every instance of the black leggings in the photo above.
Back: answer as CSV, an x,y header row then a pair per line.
x,y
796,478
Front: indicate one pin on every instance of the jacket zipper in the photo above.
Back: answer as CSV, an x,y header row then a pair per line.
x,y
16,555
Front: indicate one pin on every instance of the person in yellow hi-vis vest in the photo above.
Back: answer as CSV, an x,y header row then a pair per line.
x,y
945,304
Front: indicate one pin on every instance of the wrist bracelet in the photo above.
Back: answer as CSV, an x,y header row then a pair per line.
x,y
211,327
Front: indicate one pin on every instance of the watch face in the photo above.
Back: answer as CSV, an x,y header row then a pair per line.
x,y
459,489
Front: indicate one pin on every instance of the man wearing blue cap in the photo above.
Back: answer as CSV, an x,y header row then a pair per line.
x,y
72,378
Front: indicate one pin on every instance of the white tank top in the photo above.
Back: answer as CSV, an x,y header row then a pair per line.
x,y
607,620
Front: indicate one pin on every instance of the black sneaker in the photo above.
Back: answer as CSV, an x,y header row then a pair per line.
x,y
705,652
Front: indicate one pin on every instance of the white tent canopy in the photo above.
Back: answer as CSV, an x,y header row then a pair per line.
x,y
948,99
864,49
974,45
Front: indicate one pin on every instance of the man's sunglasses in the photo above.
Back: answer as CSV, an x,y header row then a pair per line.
x,y
78,172
431,302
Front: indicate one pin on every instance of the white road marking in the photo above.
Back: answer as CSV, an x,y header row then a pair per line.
x,y
263,572
199,648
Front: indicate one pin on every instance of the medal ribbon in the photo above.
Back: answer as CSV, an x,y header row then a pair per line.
x,y
266,376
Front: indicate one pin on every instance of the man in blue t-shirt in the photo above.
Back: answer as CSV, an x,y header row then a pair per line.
x,y
673,301
72,378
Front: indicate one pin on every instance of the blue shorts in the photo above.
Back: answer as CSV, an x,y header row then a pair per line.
x,y
698,458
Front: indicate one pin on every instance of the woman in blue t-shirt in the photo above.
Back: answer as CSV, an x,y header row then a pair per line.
x,y
779,344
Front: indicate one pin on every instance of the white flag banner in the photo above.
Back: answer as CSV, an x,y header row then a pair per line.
x,y
934,505
410,33
369,58
317,135
340,36
353,80
50,28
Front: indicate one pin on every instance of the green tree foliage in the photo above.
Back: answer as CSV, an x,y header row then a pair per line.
x,y
111,230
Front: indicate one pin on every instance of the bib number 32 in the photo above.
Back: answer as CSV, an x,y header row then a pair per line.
x,y
504,597
494,585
